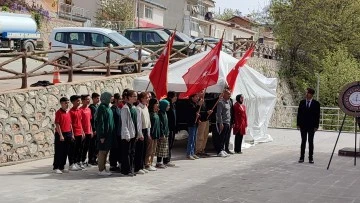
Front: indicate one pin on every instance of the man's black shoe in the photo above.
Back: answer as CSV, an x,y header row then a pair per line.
x,y
301,160
311,161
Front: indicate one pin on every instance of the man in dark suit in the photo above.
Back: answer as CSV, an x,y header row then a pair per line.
x,y
308,118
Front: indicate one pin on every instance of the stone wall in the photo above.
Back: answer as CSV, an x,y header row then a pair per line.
x,y
48,26
270,68
27,116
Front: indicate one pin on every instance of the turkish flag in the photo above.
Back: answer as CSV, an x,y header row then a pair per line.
x,y
158,75
231,77
204,73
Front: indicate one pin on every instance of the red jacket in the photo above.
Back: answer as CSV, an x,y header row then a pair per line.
x,y
240,119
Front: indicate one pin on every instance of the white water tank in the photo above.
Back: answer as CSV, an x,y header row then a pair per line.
x,y
13,22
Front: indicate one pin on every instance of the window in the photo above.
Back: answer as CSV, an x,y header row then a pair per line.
x,y
135,37
195,26
77,38
99,40
152,37
60,37
148,12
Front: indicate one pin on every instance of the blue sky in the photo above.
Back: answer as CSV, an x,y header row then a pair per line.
x,y
245,6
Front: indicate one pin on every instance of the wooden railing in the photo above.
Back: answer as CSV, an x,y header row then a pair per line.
x,y
234,48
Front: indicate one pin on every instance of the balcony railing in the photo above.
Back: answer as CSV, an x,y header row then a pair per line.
x,y
73,12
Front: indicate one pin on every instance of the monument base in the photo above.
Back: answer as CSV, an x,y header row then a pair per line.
x,y
349,151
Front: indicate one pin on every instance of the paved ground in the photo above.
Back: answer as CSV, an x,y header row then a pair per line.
x,y
264,173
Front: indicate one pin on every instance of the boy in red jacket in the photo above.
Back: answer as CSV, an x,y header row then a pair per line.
x,y
76,122
63,137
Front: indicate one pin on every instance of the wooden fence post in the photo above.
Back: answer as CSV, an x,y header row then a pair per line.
x,y
234,47
139,58
108,60
71,71
206,45
24,70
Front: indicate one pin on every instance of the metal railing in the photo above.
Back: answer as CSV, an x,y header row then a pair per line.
x,y
330,118
73,11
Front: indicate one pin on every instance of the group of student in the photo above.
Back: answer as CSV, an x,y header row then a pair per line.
x,y
134,127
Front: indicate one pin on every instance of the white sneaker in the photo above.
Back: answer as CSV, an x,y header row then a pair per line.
x,y
58,171
151,168
104,173
145,170
140,172
73,167
226,154
82,166
221,154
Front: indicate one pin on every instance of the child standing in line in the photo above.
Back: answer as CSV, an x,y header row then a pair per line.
x,y
130,127
162,150
154,134
76,122
86,125
92,147
63,137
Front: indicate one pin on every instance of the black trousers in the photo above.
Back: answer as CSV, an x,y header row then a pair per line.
x,y
224,138
115,153
127,154
307,134
78,149
63,150
238,142
140,151
92,150
171,140
85,147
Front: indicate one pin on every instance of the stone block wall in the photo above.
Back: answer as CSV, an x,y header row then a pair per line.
x,y
27,116
270,68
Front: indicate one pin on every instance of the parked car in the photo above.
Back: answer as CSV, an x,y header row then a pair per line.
x,y
88,37
149,36
215,40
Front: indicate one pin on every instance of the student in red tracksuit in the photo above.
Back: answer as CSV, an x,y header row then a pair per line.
x,y
76,119
63,137
86,125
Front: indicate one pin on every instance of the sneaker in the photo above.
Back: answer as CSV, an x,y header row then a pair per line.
x,y
226,154
104,173
58,171
140,172
196,157
170,164
238,152
159,165
145,170
311,161
151,168
73,167
301,160
190,157
222,154
81,165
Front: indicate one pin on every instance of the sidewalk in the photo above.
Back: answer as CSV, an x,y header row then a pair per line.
x,y
264,173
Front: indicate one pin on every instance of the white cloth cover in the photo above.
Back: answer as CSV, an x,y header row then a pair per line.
x,y
259,91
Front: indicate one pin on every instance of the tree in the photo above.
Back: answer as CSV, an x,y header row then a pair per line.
x,y
339,68
116,14
227,14
307,31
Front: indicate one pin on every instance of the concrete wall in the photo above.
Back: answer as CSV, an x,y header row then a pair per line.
x,y
27,116
174,14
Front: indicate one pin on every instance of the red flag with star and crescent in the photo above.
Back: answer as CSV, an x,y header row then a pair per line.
x,y
159,74
204,73
231,77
